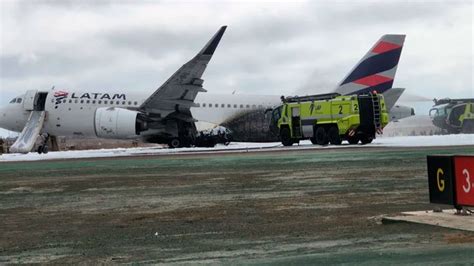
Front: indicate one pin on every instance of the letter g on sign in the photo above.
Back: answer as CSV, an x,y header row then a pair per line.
x,y
440,181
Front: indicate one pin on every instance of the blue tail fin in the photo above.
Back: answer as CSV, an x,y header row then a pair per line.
x,y
376,70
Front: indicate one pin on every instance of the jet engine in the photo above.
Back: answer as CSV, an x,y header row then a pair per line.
x,y
112,122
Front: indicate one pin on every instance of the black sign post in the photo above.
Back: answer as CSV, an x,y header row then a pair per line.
x,y
441,179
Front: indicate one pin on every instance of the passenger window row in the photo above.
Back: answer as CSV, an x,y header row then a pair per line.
x,y
216,105
101,102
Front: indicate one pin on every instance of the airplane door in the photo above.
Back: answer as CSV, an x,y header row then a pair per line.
x,y
29,101
40,101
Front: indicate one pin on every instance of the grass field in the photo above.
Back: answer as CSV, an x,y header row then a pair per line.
x,y
312,206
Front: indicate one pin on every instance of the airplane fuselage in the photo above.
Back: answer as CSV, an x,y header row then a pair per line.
x,y
167,114
72,113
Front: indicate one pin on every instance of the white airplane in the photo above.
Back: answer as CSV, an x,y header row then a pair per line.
x,y
176,111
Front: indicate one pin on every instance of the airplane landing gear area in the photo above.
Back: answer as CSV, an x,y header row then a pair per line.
x,y
45,140
43,147
205,139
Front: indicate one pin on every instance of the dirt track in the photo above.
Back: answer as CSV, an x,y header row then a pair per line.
x,y
314,206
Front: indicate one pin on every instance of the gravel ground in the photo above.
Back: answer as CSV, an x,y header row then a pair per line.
x,y
312,206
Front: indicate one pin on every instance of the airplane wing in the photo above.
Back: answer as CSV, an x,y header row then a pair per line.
x,y
176,96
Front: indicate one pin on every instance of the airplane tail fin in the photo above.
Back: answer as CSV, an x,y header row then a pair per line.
x,y
376,70
391,96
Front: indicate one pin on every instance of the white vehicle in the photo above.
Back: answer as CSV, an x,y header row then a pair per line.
x,y
176,111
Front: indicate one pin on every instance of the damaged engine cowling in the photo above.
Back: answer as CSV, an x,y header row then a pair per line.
x,y
112,122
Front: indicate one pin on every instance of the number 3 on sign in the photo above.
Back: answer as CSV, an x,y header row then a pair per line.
x,y
464,174
468,181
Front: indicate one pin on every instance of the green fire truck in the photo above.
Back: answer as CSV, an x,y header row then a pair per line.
x,y
330,118
454,115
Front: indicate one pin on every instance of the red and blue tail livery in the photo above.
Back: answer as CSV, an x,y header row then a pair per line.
x,y
376,70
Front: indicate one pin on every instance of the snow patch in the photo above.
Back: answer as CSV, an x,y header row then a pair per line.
x,y
404,141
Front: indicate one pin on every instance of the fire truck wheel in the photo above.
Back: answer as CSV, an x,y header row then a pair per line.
x,y
333,135
285,137
321,136
353,140
364,139
174,143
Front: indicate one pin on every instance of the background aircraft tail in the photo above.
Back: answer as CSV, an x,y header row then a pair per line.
x,y
391,96
376,70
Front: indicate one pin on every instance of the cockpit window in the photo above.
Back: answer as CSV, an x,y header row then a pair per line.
x,y
13,101
18,100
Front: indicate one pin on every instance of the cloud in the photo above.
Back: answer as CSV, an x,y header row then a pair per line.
x,y
269,48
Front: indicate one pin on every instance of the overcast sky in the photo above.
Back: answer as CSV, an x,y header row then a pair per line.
x,y
270,47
